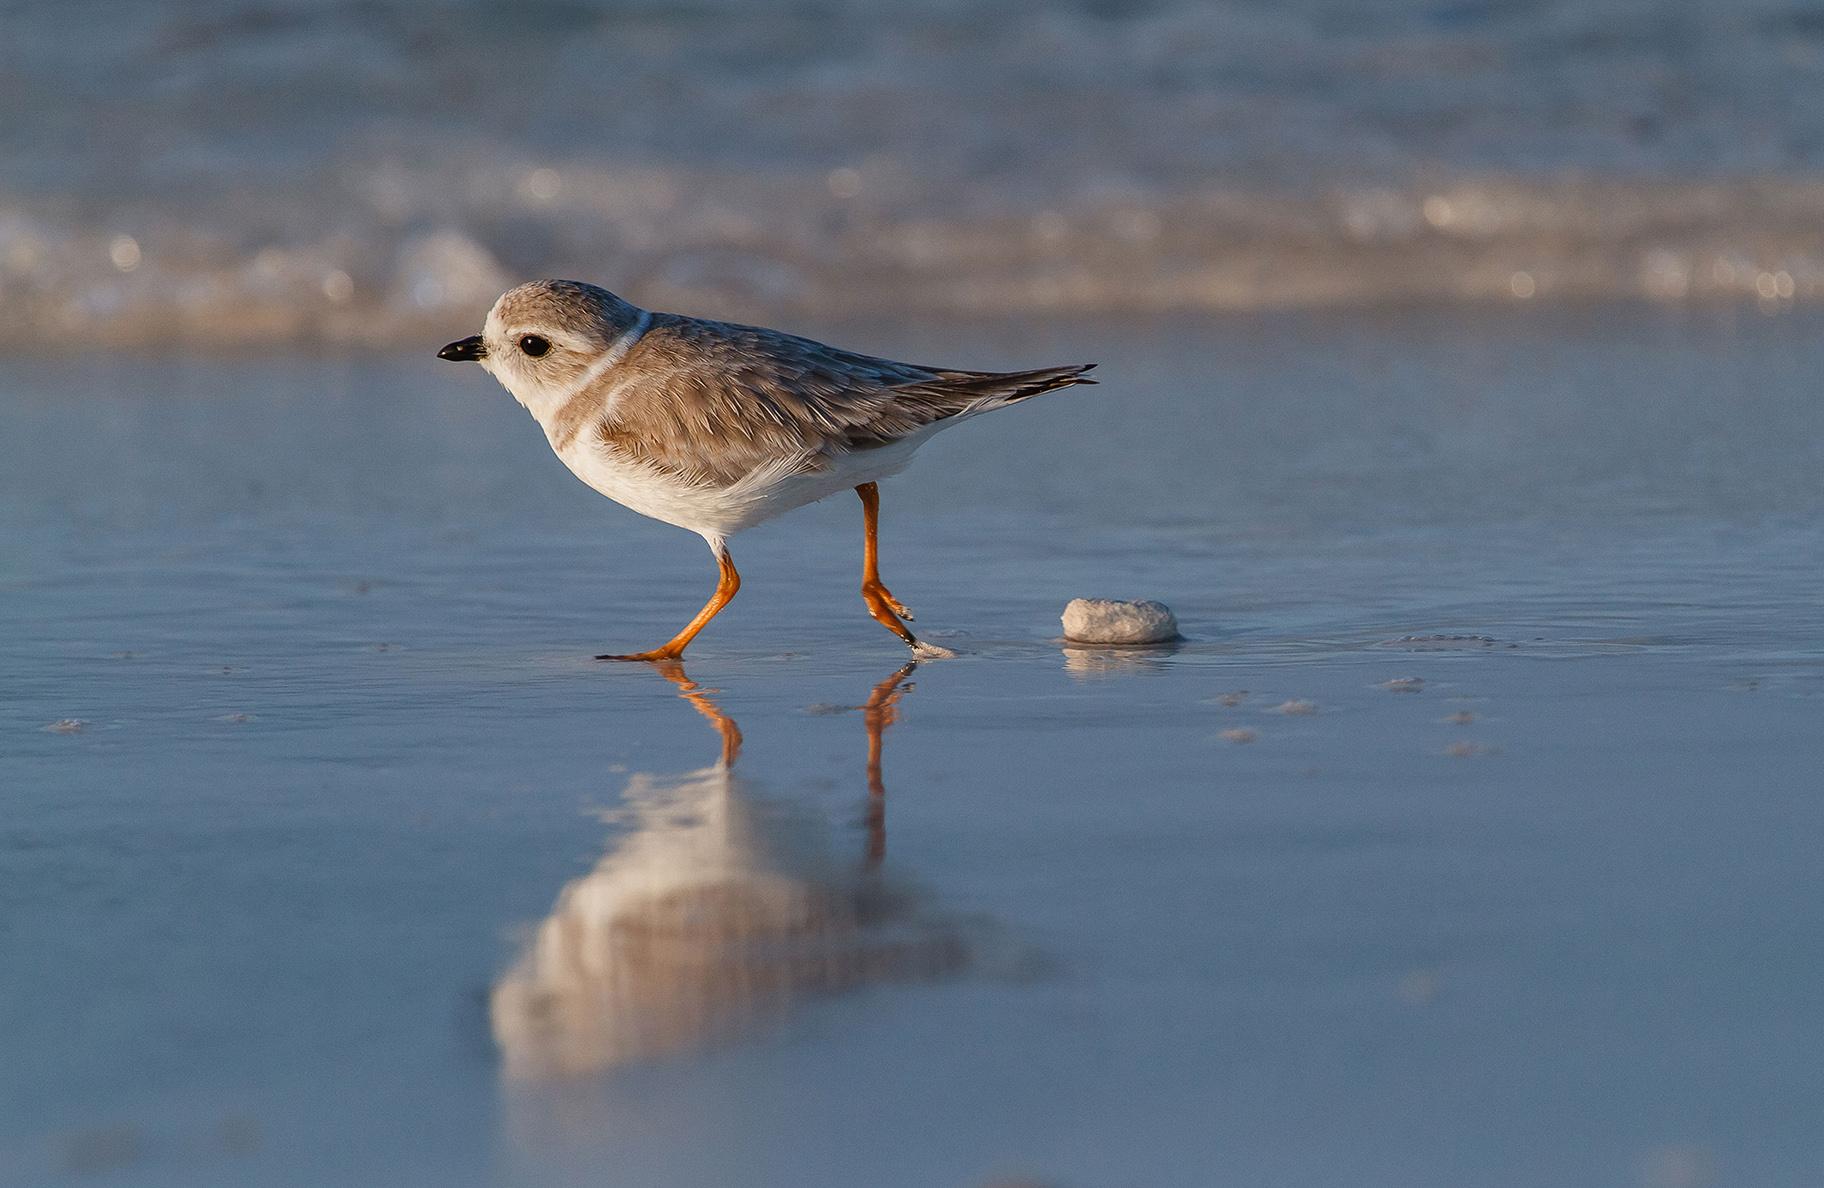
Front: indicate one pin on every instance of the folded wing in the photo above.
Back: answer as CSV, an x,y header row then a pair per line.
x,y
713,402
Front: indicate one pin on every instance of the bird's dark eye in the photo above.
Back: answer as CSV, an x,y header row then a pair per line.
x,y
534,345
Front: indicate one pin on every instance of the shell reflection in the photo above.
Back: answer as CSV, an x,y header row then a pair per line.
x,y
716,912
1103,660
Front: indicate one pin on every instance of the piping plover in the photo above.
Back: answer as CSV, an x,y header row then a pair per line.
x,y
717,427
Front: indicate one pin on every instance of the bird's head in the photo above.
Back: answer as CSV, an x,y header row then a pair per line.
x,y
547,339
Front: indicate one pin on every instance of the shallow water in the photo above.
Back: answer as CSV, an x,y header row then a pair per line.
x,y
1470,836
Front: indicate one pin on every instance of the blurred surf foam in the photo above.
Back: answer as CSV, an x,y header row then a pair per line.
x,y
238,172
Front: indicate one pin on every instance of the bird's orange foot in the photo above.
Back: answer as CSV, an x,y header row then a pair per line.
x,y
872,590
657,655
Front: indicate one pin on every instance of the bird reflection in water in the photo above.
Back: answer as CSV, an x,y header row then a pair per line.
x,y
712,916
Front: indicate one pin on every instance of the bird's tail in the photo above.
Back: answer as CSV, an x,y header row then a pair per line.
x,y
986,390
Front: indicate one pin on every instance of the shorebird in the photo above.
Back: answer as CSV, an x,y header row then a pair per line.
x,y
717,427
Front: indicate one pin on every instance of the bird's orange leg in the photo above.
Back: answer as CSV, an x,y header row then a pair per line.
x,y
727,583
886,610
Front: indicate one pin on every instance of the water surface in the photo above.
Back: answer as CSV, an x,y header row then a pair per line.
x,y
1469,836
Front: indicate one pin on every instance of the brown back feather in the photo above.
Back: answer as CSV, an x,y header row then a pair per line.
x,y
715,401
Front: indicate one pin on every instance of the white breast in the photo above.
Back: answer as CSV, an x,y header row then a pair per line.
x,y
716,513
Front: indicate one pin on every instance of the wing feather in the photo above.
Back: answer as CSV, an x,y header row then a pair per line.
x,y
712,402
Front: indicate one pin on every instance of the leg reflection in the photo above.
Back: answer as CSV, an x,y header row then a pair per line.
x,y
715,909
689,690
879,713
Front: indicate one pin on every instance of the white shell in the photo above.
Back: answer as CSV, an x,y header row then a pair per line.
x,y
1112,621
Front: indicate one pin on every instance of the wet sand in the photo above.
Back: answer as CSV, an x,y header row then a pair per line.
x,y
1469,836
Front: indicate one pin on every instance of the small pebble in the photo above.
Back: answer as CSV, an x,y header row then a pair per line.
x,y
1297,707
1239,734
1404,684
1113,621
1468,750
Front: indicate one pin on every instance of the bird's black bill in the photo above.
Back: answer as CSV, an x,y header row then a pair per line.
x,y
464,350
